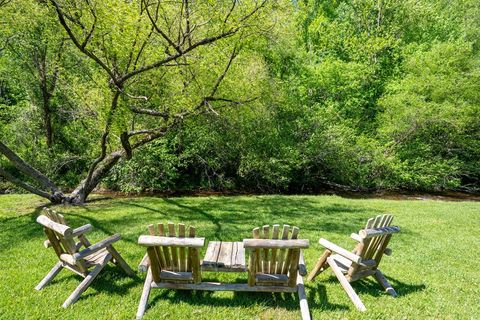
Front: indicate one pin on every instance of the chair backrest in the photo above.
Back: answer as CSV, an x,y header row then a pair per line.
x,y
274,256
173,257
373,242
60,237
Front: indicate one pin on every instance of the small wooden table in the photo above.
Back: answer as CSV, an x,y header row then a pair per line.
x,y
224,256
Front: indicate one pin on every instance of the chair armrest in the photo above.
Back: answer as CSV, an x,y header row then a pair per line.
x,y
339,250
144,264
356,237
302,268
96,247
81,230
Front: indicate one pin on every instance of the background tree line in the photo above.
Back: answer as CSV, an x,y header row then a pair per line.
x,y
263,96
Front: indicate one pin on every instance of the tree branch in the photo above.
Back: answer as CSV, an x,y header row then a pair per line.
x,y
23,166
77,43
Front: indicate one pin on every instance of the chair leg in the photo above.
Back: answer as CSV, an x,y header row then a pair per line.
x,y
55,270
384,283
147,286
86,282
320,266
120,261
302,298
346,285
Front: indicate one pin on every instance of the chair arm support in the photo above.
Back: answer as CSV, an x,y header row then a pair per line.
x,y
356,237
81,230
96,247
144,264
302,268
339,250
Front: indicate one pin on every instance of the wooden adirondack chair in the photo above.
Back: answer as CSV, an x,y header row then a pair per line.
x,y
276,262
363,261
170,260
61,239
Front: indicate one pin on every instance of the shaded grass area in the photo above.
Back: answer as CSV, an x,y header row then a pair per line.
x,y
433,266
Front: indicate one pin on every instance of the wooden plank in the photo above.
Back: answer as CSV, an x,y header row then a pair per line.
x,y
302,268
333,247
238,262
142,306
81,230
144,264
176,275
191,234
86,282
265,255
173,249
370,233
281,253
384,283
288,259
197,276
173,242
159,251
293,270
225,255
278,244
346,285
273,261
181,234
161,229
57,227
211,256
55,270
154,264
320,266
274,278
259,265
120,261
302,298
215,286
360,274
252,268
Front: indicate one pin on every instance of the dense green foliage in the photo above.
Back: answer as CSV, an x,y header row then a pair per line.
x,y
430,268
364,95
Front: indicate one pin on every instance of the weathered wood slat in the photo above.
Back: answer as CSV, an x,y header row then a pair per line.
x,y
211,256
215,286
288,258
346,285
273,262
302,298
142,306
55,226
281,253
183,262
258,261
55,270
278,244
265,255
173,242
176,275
86,282
273,278
173,249
144,264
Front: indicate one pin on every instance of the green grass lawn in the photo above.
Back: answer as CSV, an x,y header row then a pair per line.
x,y
434,266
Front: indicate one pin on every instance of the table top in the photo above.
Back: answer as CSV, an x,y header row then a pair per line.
x,y
224,256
